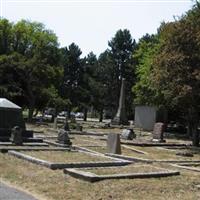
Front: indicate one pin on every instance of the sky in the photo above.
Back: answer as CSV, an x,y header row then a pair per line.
x,y
92,23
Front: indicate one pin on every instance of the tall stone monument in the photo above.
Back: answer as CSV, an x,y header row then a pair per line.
x,y
120,117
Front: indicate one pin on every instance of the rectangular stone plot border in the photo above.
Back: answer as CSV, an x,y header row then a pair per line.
x,y
136,159
6,149
91,177
55,166
187,166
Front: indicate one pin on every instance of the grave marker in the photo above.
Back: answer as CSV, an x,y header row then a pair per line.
x,y
63,137
16,136
113,143
158,132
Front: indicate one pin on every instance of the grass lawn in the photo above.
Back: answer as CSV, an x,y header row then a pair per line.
x,y
133,168
47,184
65,157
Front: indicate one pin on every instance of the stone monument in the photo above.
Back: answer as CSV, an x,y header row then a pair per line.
x,y
113,143
158,131
55,124
120,117
128,134
16,136
66,125
63,137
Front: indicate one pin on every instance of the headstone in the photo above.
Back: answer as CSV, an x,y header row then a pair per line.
x,y
120,117
113,143
63,137
128,134
158,132
73,119
55,125
16,136
79,127
106,125
66,125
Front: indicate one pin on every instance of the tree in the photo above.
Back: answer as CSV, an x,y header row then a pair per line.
x,y
121,50
176,75
73,74
144,55
31,62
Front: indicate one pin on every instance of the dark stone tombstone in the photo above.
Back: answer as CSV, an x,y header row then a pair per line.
x,y
66,125
128,134
120,117
16,136
113,143
79,127
63,137
158,132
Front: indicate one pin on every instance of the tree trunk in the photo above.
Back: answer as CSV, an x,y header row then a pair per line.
x,y
85,114
193,126
101,116
30,113
195,137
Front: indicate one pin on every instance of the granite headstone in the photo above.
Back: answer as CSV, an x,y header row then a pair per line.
x,y
158,132
16,136
113,143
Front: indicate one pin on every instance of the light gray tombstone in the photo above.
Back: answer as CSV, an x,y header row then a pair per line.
x,y
120,117
128,134
55,125
63,137
158,132
16,136
113,143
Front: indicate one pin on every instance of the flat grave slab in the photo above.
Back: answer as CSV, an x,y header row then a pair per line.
x,y
129,171
61,160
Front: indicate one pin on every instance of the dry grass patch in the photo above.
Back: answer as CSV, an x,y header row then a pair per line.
x,y
161,154
65,157
54,185
133,168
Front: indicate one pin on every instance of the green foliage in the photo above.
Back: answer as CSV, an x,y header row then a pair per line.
x,y
144,55
28,62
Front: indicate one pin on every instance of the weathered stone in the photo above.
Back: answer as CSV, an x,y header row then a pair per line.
x,y
63,137
16,136
186,154
55,123
158,132
113,143
128,134
66,125
120,117
79,127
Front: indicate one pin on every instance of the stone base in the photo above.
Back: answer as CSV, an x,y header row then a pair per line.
x,y
118,121
159,140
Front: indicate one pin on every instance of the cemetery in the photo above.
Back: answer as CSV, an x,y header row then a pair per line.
x,y
122,124
97,154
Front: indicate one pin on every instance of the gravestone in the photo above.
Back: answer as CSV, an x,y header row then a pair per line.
x,y
113,143
128,134
16,136
120,117
79,127
63,137
55,125
158,132
66,125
